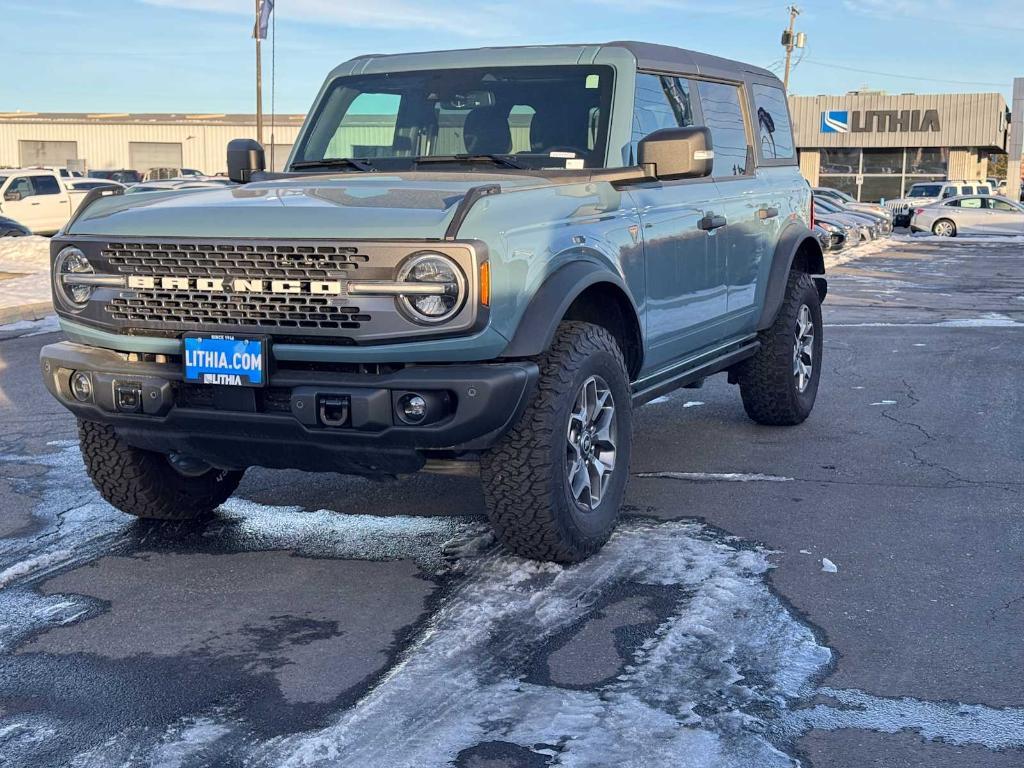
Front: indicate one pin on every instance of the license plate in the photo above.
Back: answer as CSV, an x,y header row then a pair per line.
x,y
234,361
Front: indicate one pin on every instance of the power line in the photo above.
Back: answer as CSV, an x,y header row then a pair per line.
x,y
902,77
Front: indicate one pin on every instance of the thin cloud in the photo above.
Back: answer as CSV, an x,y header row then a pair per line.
x,y
446,16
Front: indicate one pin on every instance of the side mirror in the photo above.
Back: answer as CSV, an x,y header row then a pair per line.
x,y
678,153
245,157
12,197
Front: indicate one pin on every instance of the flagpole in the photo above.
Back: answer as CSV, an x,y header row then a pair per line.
x,y
259,79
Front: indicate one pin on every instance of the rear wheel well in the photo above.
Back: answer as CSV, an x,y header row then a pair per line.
x,y
606,305
809,258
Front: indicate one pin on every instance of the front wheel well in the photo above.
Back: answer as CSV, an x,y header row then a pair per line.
x,y
605,304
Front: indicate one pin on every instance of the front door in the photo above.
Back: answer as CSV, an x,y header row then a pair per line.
x,y
1007,218
686,291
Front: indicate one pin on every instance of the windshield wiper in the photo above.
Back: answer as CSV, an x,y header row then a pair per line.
x,y
503,160
335,162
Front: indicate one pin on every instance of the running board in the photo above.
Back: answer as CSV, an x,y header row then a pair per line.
x,y
690,374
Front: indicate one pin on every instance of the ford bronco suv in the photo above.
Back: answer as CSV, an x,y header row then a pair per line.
x,y
489,255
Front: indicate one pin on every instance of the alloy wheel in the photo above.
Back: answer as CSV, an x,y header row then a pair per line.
x,y
803,349
590,443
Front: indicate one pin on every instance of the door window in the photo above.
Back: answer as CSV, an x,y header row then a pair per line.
x,y
45,185
971,202
774,132
723,114
1001,205
949,192
660,102
22,185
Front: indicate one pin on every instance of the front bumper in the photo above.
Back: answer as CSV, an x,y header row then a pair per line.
x,y
283,424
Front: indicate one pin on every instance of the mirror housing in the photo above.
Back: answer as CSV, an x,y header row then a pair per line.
x,y
245,157
12,197
678,153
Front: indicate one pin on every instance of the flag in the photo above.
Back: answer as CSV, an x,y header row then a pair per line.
x,y
266,7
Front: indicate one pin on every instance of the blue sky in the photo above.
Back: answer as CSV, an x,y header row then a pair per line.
x,y
197,55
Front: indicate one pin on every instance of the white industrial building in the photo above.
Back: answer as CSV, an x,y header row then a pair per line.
x,y
112,141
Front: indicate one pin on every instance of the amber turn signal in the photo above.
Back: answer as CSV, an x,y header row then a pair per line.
x,y
485,284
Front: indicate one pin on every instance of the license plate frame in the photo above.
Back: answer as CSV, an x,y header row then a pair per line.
x,y
209,371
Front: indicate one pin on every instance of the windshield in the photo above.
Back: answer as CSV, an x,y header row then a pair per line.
x,y
539,117
925,190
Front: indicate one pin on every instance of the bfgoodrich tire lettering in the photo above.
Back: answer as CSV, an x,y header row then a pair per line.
x,y
776,386
145,484
526,476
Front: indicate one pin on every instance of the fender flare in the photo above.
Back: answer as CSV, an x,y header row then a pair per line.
x,y
792,240
552,300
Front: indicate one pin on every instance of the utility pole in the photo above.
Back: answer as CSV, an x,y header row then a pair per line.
x,y
259,79
791,41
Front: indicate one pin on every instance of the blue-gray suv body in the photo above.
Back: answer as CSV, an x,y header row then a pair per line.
x,y
489,254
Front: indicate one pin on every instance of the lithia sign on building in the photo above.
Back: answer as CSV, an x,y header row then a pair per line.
x,y
880,121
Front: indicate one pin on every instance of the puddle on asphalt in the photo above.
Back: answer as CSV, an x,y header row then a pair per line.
x,y
667,648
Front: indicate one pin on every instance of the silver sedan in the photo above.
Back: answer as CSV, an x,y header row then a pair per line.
x,y
970,215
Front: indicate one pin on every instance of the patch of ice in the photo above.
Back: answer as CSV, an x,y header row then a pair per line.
x,y
711,477
885,402
662,399
828,566
48,324
692,403
26,567
805,551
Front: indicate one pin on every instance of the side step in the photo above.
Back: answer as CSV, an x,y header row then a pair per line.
x,y
688,374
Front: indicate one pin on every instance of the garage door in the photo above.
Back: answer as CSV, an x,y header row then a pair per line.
x,y
47,152
143,155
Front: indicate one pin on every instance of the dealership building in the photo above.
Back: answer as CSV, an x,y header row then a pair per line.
x,y
874,146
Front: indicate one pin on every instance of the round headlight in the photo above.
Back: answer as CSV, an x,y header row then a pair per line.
x,y
437,287
71,261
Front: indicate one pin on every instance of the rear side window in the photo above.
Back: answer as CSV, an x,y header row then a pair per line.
x,y
723,114
984,191
774,132
46,185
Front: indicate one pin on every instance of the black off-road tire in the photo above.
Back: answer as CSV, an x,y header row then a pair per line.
x,y
768,385
525,476
144,483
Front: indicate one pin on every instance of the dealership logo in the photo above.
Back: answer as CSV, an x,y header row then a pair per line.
x,y
881,121
835,122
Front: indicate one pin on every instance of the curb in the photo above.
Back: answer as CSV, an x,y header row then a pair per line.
x,y
35,311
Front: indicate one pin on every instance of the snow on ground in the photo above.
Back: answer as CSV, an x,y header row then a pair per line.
x,y
835,259
725,677
24,254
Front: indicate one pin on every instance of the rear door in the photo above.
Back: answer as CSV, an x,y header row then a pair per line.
x,y
686,290
53,201
742,243
970,216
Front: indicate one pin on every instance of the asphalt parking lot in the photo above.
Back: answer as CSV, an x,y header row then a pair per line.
x,y
323,620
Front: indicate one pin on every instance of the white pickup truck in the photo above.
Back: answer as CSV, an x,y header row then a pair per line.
x,y
40,199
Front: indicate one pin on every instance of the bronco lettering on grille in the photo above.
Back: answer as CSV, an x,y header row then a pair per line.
x,y
236,285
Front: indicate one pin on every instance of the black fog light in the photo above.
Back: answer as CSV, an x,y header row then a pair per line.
x,y
81,386
412,409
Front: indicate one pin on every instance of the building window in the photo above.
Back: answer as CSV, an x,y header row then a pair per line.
x,y
887,161
929,160
840,161
876,188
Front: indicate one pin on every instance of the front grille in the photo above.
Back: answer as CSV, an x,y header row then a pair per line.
x,y
191,310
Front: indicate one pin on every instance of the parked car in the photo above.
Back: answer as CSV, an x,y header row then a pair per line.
x,y
37,198
485,296
831,236
970,215
848,201
10,228
926,192
862,227
123,176
878,224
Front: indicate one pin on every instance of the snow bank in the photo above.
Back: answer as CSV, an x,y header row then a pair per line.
x,y
24,254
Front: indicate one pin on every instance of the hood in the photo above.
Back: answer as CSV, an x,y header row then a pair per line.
x,y
350,206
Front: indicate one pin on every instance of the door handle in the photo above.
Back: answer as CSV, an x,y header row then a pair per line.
x,y
767,213
33,203
712,222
